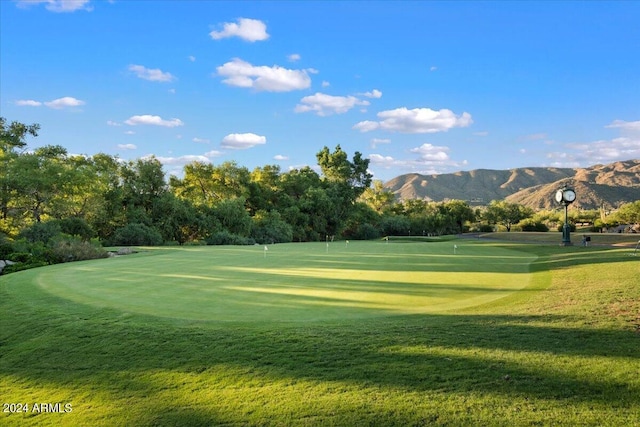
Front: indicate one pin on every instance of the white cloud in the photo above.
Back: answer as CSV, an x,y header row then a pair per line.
x,y
432,153
242,141
181,160
127,146
601,151
625,126
294,57
129,132
325,83
64,102
373,94
56,104
384,161
247,29
112,123
28,103
213,153
280,157
59,5
366,126
192,58
417,120
201,140
376,141
433,68
147,119
324,105
240,73
431,160
151,74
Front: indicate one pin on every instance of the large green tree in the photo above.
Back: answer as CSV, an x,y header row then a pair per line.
x,y
12,142
629,213
205,184
39,178
344,180
377,197
505,213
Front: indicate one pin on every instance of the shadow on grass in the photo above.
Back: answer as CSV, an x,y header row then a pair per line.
x,y
52,341
65,343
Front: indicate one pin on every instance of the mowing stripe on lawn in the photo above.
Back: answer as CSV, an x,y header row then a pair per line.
x,y
294,282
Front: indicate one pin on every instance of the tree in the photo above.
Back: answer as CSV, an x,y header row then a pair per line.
x,y
38,178
176,219
232,215
344,182
107,212
377,198
460,212
269,227
297,181
505,213
12,139
142,182
263,189
205,184
337,168
629,213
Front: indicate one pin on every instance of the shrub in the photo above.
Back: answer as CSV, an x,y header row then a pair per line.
x,y
6,248
19,267
41,232
395,226
136,234
270,228
76,227
533,226
19,257
74,250
226,238
572,227
366,231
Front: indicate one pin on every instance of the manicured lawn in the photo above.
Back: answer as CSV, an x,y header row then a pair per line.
x,y
369,333
294,283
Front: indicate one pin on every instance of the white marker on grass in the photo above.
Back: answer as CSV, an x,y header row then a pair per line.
x,y
455,248
265,250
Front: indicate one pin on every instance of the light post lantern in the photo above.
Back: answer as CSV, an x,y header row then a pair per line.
x,y
565,196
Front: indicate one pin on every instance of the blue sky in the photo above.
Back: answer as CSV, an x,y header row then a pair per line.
x,y
427,87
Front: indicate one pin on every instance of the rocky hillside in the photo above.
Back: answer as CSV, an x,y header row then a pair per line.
x,y
609,185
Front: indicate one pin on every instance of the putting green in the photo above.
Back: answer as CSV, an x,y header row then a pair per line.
x,y
292,282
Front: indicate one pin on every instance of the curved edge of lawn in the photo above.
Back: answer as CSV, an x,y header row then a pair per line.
x,y
294,283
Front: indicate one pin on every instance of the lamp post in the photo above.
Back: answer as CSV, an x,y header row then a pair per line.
x,y
565,196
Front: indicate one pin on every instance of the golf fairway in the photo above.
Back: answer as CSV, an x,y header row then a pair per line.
x,y
297,282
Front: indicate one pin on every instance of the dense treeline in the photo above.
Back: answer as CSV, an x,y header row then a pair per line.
x,y
57,207
131,202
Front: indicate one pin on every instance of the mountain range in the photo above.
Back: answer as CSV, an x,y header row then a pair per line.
x,y
607,186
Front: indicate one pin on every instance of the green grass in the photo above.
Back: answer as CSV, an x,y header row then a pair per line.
x,y
597,239
371,333
293,283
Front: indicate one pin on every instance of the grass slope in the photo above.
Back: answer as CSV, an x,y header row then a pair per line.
x,y
369,334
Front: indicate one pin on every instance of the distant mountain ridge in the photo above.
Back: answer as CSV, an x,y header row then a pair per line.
x,y
600,185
